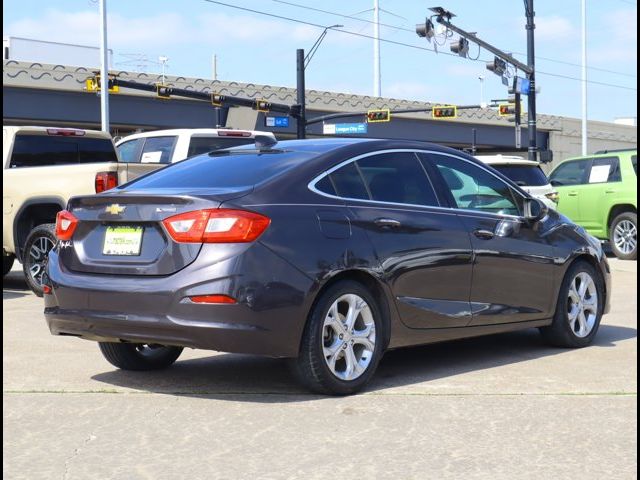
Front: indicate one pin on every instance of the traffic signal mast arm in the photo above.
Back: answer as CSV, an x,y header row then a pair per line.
x,y
334,116
487,46
165,91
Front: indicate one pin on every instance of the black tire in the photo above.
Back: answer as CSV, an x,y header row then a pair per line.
x,y
40,240
630,218
560,333
7,263
311,368
131,356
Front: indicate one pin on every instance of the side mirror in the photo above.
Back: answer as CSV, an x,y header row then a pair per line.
x,y
535,210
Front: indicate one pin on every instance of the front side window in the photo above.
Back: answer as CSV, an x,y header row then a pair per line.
x,y
129,152
158,149
571,173
605,170
473,188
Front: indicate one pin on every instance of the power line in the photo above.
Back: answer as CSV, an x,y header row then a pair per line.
x,y
394,42
404,29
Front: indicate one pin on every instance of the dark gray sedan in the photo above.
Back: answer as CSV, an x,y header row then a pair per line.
x,y
328,252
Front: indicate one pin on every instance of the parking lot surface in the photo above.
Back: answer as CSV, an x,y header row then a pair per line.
x,y
505,406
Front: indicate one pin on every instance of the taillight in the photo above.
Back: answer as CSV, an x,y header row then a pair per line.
x,y
65,132
216,226
234,133
106,181
66,224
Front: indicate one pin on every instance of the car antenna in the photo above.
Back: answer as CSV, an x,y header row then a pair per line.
x,y
264,142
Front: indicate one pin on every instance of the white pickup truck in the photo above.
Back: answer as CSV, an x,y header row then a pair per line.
x,y
45,166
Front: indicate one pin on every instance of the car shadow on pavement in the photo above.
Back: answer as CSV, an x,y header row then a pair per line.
x,y
256,379
14,286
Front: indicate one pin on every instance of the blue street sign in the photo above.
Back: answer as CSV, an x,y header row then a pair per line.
x,y
346,129
522,86
276,122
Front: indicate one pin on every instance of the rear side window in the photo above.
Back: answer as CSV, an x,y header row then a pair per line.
x,y
129,152
634,162
221,171
158,149
349,183
397,178
199,145
45,150
524,175
571,173
605,170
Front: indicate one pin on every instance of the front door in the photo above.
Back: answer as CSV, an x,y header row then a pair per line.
x,y
513,261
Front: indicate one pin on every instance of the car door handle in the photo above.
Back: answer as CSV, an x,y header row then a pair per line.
x,y
611,191
484,234
387,223
573,194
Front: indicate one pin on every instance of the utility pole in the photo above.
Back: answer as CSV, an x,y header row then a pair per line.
x,y
377,72
301,94
585,113
531,61
104,69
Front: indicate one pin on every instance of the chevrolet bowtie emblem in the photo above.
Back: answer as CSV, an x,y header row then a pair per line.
x,y
115,209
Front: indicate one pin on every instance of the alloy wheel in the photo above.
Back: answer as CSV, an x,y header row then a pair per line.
x,y
349,337
625,237
38,257
582,305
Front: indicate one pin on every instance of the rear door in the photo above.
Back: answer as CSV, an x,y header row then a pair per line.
x,y
513,262
424,250
603,190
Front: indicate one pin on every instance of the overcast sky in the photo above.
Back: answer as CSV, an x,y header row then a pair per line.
x,y
260,49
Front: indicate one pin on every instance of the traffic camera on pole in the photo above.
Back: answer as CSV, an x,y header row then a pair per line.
x,y
445,111
498,66
379,116
426,30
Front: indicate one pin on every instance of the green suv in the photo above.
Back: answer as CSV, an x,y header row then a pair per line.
x,y
600,193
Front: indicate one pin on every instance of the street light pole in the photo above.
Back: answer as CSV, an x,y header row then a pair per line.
x,y
377,72
302,62
104,68
585,139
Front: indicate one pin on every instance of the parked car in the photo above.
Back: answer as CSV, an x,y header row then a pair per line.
x,y
328,252
600,193
43,167
526,174
144,152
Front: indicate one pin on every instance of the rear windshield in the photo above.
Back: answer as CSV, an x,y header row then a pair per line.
x,y
524,175
45,150
221,171
199,145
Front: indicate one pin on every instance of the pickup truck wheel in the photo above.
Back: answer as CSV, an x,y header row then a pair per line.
x,y
132,356
7,263
624,236
39,242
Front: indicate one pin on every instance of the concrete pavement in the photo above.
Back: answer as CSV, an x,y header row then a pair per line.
x,y
495,407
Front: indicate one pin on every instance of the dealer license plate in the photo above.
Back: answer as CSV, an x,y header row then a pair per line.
x,y
122,240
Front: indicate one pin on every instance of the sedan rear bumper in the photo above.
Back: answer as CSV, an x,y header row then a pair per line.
x,y
268,318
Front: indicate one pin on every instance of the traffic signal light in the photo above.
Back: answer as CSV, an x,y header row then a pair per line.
x,y
379,116
460,46
446,111
262,106
498,66
507,109
92,84
426,29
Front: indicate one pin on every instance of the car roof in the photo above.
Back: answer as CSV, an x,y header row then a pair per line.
x,y
604,155
506,160
189,131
